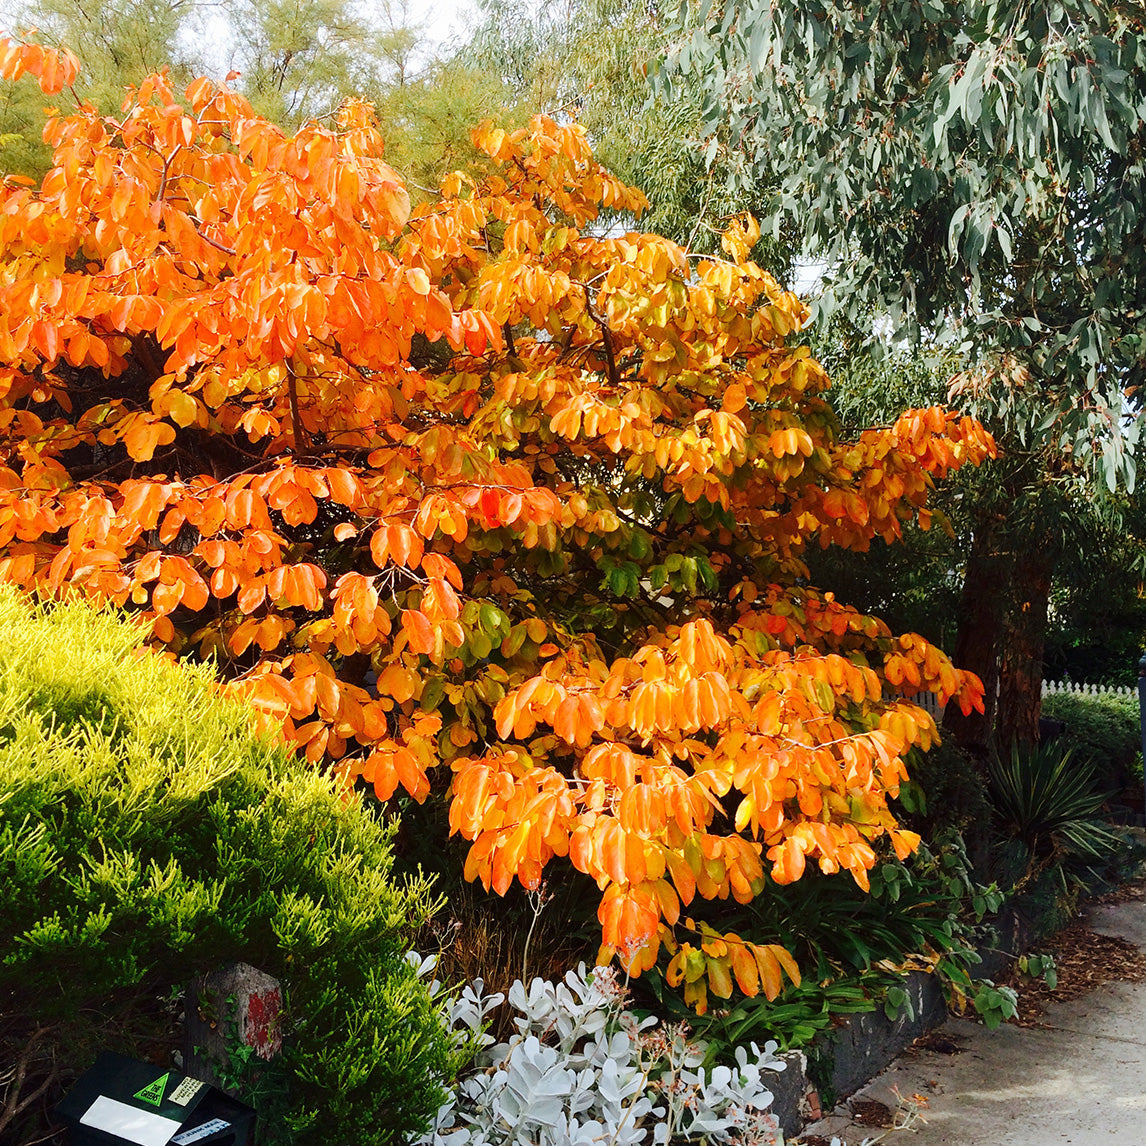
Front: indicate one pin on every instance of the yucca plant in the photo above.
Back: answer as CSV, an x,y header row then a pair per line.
x,y
1050,802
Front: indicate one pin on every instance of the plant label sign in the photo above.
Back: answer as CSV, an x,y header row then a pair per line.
x,y
198,1133
121,1101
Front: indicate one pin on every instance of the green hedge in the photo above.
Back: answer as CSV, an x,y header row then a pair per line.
x,y
147,834
1105,729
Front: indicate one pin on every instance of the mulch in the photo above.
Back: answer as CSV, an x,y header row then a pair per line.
x,y
1084,960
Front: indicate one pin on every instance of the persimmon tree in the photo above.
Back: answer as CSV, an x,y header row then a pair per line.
x,y
487,497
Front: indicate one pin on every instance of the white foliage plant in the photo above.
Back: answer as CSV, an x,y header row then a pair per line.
x,y
582,1070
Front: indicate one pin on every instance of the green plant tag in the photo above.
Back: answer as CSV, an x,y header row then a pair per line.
x,y
153,1091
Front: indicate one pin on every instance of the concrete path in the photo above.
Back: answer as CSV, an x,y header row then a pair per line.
x,y
1080,1081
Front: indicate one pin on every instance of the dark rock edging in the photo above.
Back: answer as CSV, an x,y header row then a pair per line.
x,y
841,1060
869,1042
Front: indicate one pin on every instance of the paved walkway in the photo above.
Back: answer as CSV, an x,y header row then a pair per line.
x,y
1078,1082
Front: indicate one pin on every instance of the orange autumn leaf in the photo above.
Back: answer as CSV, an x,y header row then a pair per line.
x,y
419,631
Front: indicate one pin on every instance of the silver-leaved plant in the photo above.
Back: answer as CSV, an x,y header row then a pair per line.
x,y
582,1070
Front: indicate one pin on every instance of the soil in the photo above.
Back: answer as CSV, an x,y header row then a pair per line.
x,y
868,1112
938,1042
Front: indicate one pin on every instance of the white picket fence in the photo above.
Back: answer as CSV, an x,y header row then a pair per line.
x,y
929,702
1070,688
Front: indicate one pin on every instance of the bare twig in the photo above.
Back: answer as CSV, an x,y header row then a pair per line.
x,y
208,240
13,1106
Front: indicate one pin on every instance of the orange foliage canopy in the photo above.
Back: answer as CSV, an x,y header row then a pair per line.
x,y
488,495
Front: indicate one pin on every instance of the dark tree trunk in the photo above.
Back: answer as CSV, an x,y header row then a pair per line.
x,y
1024,640
982,606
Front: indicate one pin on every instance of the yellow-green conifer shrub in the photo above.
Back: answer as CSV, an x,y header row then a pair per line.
x,y
147,834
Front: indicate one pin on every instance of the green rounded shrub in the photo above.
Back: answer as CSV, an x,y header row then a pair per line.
x,y
148,835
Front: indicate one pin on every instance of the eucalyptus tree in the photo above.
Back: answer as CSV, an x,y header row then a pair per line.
x,y
972,172
1096,615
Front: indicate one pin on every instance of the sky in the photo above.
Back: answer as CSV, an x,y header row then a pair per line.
x,y
443,19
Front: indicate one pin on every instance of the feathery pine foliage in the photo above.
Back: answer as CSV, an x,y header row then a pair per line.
x,y
148,834
120,41
293,61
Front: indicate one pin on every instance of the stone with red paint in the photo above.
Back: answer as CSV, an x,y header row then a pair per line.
x,y
236,1003
263,1026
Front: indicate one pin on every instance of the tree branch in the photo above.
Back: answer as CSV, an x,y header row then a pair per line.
x,y
298,434
13,1105
614,373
